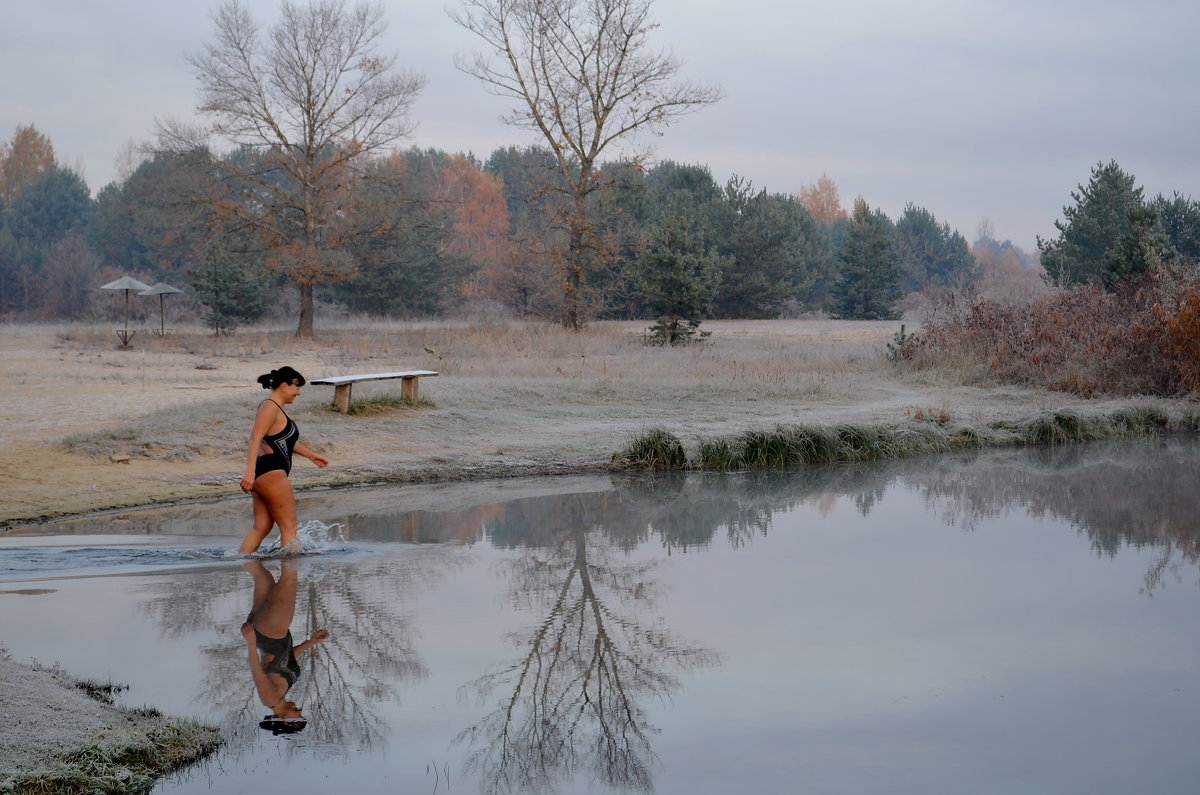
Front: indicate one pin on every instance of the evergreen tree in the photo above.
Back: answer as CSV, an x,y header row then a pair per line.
x,y
1105,211
678,275
11,293
46,210
931,254
696,180
232,286
1141,249
56,204
532,184
401,264
775,249
1180,219
869,283
147,224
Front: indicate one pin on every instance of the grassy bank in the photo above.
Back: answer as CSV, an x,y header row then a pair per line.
x,y
795,445
121,768
72,737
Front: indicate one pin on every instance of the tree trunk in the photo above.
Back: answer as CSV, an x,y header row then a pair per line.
x,y
305,328
570,310
573,267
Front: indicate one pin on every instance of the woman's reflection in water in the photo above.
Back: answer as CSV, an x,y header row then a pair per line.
x,y
269,642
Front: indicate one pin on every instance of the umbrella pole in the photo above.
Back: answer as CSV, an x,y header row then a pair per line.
x,y
162,317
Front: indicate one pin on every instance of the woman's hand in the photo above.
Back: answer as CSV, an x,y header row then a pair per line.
x,y
247,483
247,631
311,455
320,636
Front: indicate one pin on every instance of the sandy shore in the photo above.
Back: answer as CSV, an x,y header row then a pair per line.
x,y
89,427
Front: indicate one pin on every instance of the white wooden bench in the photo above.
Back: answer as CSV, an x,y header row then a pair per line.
x,y
342,383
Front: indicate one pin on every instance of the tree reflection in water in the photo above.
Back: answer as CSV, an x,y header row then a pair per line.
x,y
370,652
1138,494
571,704
1117,494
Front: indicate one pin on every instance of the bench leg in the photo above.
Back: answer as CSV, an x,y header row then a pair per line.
x,y
341,397
408,389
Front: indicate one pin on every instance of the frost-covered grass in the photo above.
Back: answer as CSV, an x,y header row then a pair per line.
x,y
205,391
124,767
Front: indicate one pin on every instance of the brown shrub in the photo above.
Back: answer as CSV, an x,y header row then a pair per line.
x,y
1180,338
1142,339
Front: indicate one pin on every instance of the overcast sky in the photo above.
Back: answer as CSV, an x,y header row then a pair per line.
x,y
970,109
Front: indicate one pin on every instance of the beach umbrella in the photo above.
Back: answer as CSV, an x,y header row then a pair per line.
x,y
127,284
161,289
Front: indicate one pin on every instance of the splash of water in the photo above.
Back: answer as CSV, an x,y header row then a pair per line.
x,y
313,537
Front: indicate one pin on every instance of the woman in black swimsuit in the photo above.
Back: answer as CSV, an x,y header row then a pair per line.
x,y
273,440
268,637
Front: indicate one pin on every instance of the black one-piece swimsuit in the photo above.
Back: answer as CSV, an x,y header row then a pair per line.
x,y
281,445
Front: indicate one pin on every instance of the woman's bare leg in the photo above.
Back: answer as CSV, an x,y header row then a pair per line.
x,y
279,500
263,583
262,524
274,617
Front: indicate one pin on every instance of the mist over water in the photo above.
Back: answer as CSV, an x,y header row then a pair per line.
x,y
1000,621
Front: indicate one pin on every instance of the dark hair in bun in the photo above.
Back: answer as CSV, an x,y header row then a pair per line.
x,y
284,375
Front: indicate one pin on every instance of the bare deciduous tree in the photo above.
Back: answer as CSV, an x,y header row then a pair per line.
x,y
573,702
584,75
304,104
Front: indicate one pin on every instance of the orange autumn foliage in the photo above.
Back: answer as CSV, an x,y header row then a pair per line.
x,y
822,200
1181,338
28,157
480,219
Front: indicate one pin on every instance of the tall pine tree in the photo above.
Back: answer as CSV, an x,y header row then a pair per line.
x,y
869,283
1106,222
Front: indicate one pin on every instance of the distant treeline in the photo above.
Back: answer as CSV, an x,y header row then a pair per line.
x,y
425,233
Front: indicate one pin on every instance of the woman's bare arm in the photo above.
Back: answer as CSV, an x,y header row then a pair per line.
x,y
320,636
311,455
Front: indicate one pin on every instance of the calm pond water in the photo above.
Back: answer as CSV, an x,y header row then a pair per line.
x,y
1015,621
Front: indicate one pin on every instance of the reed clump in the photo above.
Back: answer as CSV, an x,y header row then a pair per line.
x,y
657,448
796,445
